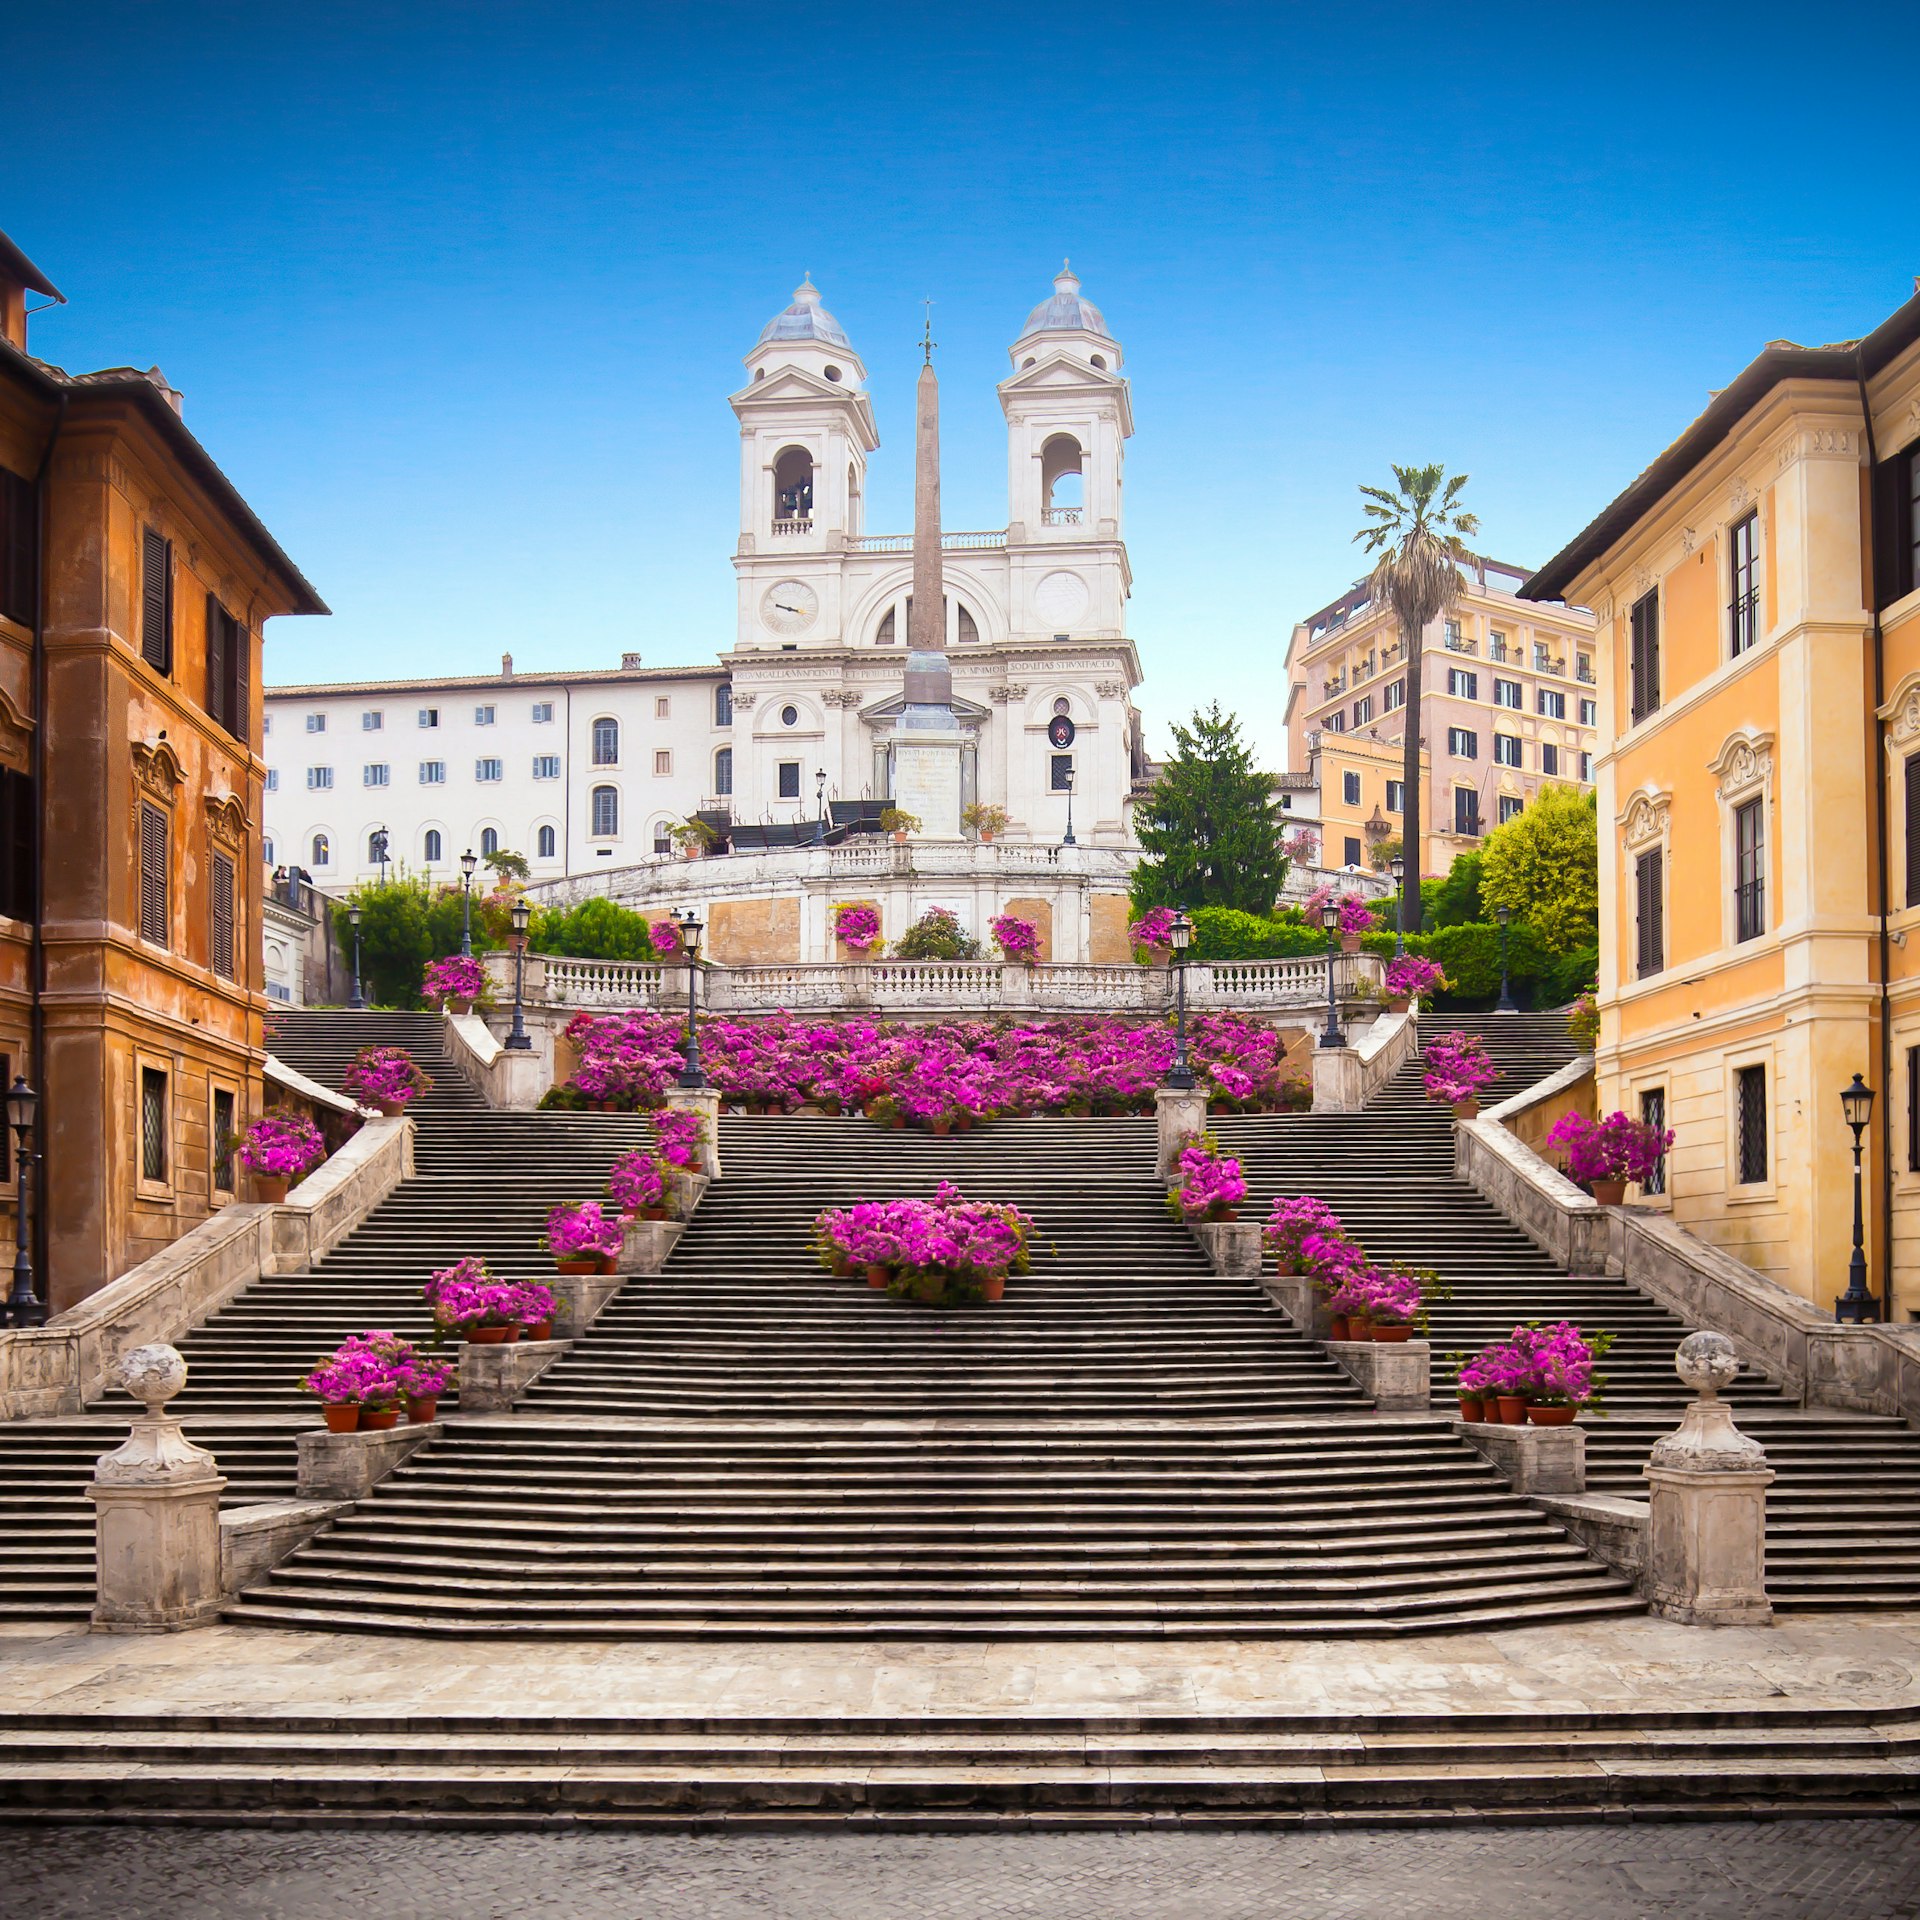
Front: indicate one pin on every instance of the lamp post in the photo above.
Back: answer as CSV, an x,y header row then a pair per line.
x,y
1330,919
23,1309
820,806
518,1040
1066,773
1180,1074
1397,866
1857,1304
467,865
359,1000
1505,1003
378,848
692,1075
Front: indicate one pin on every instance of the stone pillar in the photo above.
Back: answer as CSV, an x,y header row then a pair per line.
x,y
1179,1112
156,1512
645,1244
1531,1459
1232,1246
1707,1505
704,1101
492,1378
348,1466
1393,1374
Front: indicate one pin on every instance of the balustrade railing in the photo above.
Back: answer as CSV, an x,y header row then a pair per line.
x,y
1060,516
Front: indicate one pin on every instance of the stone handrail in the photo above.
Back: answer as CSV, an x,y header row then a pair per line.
x,y
1346,1078
1866,1369
506,1078
58,1368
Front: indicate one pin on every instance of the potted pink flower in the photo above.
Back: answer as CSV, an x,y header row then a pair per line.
x,y
467,1298
1152,937
1211,1183
385,1077
1411,977
664,937
582,1237
1017,939
279,1148
857,927
1356,918
456,981
1289,1224
637,1184
1457,1067
1604,1155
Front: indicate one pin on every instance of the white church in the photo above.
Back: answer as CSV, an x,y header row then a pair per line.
x,y
788,744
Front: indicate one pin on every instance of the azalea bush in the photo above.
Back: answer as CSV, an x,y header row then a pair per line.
x,y
376,1370
1153,931
940,1251
1414,977
1457,1067
636,1181
283,1145
1016,938
577,1229
1545,1365
1293,1218
457,977
857,927
1355,914
1613,1148
385,1076
1583,1021
1331,1261
1211,1183
680,1133
467,1295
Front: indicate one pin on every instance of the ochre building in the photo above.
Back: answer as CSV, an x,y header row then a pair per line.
x,y
134,583
1755,591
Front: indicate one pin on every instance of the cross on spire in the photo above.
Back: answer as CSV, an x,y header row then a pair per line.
x,y
927,341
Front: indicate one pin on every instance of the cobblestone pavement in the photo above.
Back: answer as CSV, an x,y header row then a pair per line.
x,y
1792,1870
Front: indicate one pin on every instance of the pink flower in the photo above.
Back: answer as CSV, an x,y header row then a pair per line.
x,y
283,1144
1615,1148
457,977
386,1076
577,1228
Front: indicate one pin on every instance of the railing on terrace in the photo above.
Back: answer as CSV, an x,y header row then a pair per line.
x,y
1060,516
794,525
903,542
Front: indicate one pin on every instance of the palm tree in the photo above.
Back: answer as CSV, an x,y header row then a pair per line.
x,y
1416,530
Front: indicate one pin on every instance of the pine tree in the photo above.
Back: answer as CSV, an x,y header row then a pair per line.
x,y
1210,827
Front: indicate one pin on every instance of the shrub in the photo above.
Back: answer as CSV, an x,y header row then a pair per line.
x,y
1225,933
937,935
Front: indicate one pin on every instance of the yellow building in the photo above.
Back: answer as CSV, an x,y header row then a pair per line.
x,y
1359,783
1759,634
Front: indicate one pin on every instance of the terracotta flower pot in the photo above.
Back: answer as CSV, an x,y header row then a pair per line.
x,y
579,1263
513,1332
1610,1193
942,1126
1340,1330
1359,1326
392,1109
653,1213
1392,1331
379,1419
540,1330
343,1419
607,1263
1349,943
1469,1407
459,1004
270,1188
878,1276
1397,1002
1513,1410
994,1286
1551,1416
487,1336
1468,1109
422,1409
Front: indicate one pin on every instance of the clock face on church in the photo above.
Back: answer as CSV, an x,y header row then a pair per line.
x,y
789,606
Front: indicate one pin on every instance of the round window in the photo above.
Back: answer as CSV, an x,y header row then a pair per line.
x,y
1099,360
833,373
1063,705
789,716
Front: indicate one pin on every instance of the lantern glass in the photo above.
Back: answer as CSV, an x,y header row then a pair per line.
x,y
522,913
468,861
1856,1102
1181,933
691,928
22,1102
1330,915
1398,868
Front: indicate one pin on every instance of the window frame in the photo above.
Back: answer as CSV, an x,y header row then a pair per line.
x,y
1349,787
781,769
223,874
1749,869
437,778
156,601
595,794
609,756
1741,1189
1648,1099
149,1185
1656,893
221,1159
1516,757
1743,584
154,903
1643,657
482,777
1503,687
1471,737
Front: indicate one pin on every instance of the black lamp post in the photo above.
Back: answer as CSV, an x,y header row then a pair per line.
x,y
1330,919
378,848
1180,1074
692,1075
1397,866
518,1040
1857,1304
1066,773
820,806
467,865
23,1309
359,1000
1505,1003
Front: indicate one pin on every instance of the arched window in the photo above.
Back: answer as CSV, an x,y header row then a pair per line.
x,y
723,704
376,846
1060,461
889,631
606,812
663,836
723,774
321,853
489,841
266,851
606,743
546,842
968,629
793,488
430,848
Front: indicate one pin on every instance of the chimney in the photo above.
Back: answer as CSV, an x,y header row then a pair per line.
x,y
18,278
506,666
629,663
169,392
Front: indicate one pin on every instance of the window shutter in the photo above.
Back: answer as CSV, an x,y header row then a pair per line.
x,y
222,955
217,661
240,678
1648,876
153,875
18,571
156,601
1913,830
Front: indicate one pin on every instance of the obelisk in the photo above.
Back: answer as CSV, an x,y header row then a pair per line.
x,y
927,750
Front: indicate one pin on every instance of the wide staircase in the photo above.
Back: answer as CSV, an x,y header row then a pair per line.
x,y
1128,1444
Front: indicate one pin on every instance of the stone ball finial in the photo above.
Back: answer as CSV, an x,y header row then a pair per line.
x,y
153,1375
1707,1362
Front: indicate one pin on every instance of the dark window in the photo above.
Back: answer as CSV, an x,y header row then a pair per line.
x,y
1060,773
153,1124
229,671
547,844
1350,788
1506,750
1649,885
789,779
223,1133
723,774
1462,685
1395,697
1466,811
1653,1110
723,706
1396,796
1552,703
1750,871
19,575
1549,757
1463,743
1750,1117
1913,829
1644,654
1507,693
156,601
606,811
1744,560
431,848
606,743
153,875
223,944
1896,526
1353,853
1511,807
16,845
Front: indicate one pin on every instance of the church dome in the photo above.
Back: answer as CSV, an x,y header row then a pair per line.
x,y
806,319
1065,311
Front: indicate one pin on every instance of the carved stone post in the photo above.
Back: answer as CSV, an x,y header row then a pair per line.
x,y
1179,1111
1707,1519
156,1512
704,1101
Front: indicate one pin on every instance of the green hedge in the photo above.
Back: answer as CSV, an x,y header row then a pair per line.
x,y
1225,933
1470,955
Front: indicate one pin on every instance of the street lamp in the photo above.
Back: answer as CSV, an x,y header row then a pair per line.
x,y
1857,1304
1397,866
1330,919
517,1040
378,848
23,1310
692,1076
1066,774
819,806
467,865
359,1000
1180,1074
1505,1003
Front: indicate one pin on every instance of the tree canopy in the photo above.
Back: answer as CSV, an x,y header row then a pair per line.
x,y
1211,826
1544,866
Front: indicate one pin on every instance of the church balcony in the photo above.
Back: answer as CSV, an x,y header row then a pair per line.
x,y
1060,516
903,542
794,525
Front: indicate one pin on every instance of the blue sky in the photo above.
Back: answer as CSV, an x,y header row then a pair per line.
x,y
456,295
